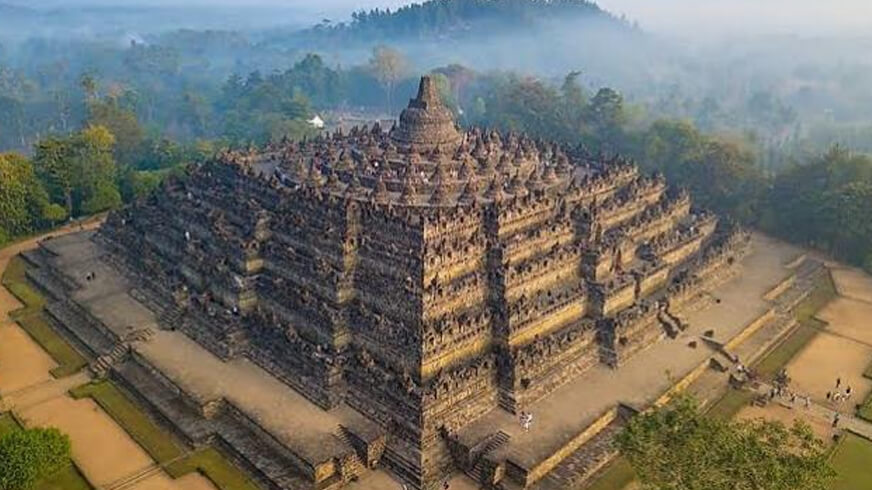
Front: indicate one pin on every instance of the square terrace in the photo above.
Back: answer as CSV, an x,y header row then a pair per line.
x,y
641,380
296,422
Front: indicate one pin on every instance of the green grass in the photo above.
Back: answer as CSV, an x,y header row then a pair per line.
x,y
214,466
69,360
32,320
160,444
868,372
851,460
729,405
7,424
809,326
15,280
617,475
69,478
864,411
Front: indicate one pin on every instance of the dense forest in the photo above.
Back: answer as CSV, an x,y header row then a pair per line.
x,y
88,123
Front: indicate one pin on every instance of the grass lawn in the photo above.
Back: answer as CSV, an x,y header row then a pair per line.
x,y
15,280
69,360
851,460
864,411
809,326
33,321
214,466
868,372
7,424
161,445
617,476
729,405
68,478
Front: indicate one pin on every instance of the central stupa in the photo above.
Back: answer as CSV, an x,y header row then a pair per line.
x,y
427,124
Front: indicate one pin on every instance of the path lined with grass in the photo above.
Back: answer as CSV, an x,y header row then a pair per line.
x,y
159,444
22,306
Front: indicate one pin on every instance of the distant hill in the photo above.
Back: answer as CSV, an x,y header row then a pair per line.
x,y
454,19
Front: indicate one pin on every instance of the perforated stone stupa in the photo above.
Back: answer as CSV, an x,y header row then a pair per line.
x,y
423,277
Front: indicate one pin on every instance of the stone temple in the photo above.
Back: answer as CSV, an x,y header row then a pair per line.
x,y
414,290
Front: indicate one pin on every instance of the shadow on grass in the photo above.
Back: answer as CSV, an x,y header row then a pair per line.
x,y
160,444
32,320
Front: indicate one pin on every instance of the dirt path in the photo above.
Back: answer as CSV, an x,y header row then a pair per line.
x,y
102,450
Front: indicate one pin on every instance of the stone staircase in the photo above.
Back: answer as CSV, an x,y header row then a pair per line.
x,y
668,325
352,464
577,469
491,444
170,318
141,335
100,367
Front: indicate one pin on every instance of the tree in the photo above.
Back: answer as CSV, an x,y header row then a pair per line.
x,y
389,66
123,125
24,204
52,165
606,116
27,456
676,447
79,172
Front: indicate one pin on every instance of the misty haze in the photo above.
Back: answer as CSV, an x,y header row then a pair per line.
x,y
436,244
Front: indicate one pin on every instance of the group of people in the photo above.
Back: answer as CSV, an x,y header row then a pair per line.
x,y
90,276
526,420
793,397
837,395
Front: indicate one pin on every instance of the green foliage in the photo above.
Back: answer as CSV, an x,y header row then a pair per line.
x,y
677,447
721,174
826,203
122,123
26,456
79,171
24,205
436,17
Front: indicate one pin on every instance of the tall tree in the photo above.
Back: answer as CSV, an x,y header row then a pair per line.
x,y
24,204
80,171
676,447
389,66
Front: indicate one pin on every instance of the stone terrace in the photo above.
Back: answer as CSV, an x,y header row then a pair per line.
x,y
567,412
285,414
